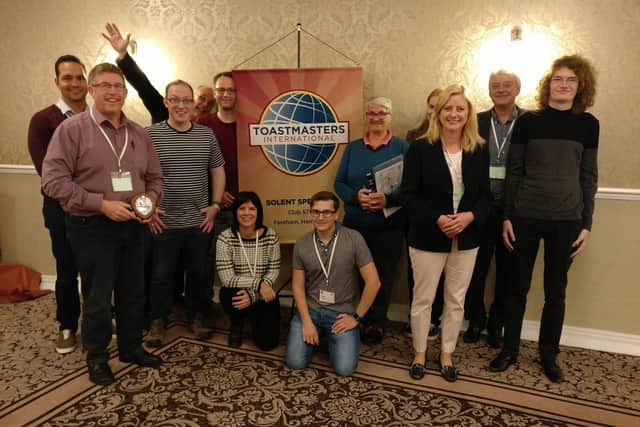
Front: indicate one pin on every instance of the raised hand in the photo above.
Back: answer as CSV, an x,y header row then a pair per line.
x,y
114,37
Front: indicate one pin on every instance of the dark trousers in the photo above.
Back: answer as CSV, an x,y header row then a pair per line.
x,y
491,243
385,245
110,257
558,237
223,221
166,250
264,318
67,295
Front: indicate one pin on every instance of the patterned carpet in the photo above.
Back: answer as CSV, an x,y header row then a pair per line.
x,y
206,383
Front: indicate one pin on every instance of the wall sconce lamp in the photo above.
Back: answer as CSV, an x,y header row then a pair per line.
x,y
516,33
133,45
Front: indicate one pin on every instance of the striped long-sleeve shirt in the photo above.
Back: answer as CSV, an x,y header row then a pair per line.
x,y
234,268
187,158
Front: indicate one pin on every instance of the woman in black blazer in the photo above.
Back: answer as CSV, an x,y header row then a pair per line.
x,y
445,186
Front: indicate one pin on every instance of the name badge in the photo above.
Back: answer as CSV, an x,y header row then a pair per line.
x,y
497,172
327,297
121,181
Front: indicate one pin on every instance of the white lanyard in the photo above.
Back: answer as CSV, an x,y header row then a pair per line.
x,y
126,140
326,270
500,147
450,161
246,257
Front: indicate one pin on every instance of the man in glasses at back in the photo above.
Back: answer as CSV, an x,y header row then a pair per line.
x,y
326,265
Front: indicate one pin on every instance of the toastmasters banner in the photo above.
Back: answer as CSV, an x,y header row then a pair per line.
x,y
292,127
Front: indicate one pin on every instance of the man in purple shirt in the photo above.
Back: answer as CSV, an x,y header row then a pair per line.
x,y
96,162
72,83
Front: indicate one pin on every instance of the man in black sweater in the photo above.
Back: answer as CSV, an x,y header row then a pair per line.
x,y
549,194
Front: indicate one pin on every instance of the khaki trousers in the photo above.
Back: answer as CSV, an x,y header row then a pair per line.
x,y
427,268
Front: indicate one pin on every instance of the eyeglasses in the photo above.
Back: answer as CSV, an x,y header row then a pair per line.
x,y
222,90
109,86
316,213
503,85
568,80
177,101
377,113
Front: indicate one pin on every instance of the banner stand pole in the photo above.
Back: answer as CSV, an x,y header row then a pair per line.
x,y
299,30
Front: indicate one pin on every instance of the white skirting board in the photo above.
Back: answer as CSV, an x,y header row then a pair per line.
x,y
572,336
594,339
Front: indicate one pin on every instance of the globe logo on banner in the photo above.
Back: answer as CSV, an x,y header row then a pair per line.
x,y
299,132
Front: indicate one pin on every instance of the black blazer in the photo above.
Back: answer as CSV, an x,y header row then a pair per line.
x,y
484,124
427,191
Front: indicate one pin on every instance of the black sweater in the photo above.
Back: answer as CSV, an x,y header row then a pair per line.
x,y
552,170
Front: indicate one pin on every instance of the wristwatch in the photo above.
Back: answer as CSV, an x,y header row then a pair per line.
x,y
356,316
217,205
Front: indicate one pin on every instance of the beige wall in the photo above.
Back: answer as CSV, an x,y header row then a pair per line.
x,y
406,47
603,288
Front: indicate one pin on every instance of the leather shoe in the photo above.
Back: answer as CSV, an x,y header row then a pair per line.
x,y
416,371
235,340
502,362
472,334
552,371
494,337
449,373
100,372
142,358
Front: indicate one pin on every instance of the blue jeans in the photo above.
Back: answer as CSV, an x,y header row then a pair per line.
x,y
166,249
344,348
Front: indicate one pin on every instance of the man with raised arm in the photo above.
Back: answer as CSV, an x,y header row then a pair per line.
x,y
222,123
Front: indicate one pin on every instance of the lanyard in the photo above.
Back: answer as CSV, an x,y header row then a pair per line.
x,y
500,147
326,270
126,140
246,257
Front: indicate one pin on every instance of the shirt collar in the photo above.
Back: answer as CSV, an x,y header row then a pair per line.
x,y
387,138
514,115
100,118
64,107
335,233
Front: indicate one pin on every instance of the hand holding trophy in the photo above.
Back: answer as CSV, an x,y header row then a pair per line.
x,y
143,205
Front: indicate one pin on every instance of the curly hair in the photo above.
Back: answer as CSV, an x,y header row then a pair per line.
x,y
586,73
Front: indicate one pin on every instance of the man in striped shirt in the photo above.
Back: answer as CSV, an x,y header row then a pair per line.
x,y
188,153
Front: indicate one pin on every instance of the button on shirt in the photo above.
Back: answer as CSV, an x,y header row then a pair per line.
x,y
78,164
325,250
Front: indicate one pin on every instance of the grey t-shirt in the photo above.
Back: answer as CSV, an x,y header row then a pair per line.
x,y
351,254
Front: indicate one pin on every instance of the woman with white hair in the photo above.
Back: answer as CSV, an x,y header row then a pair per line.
x,y
364,204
